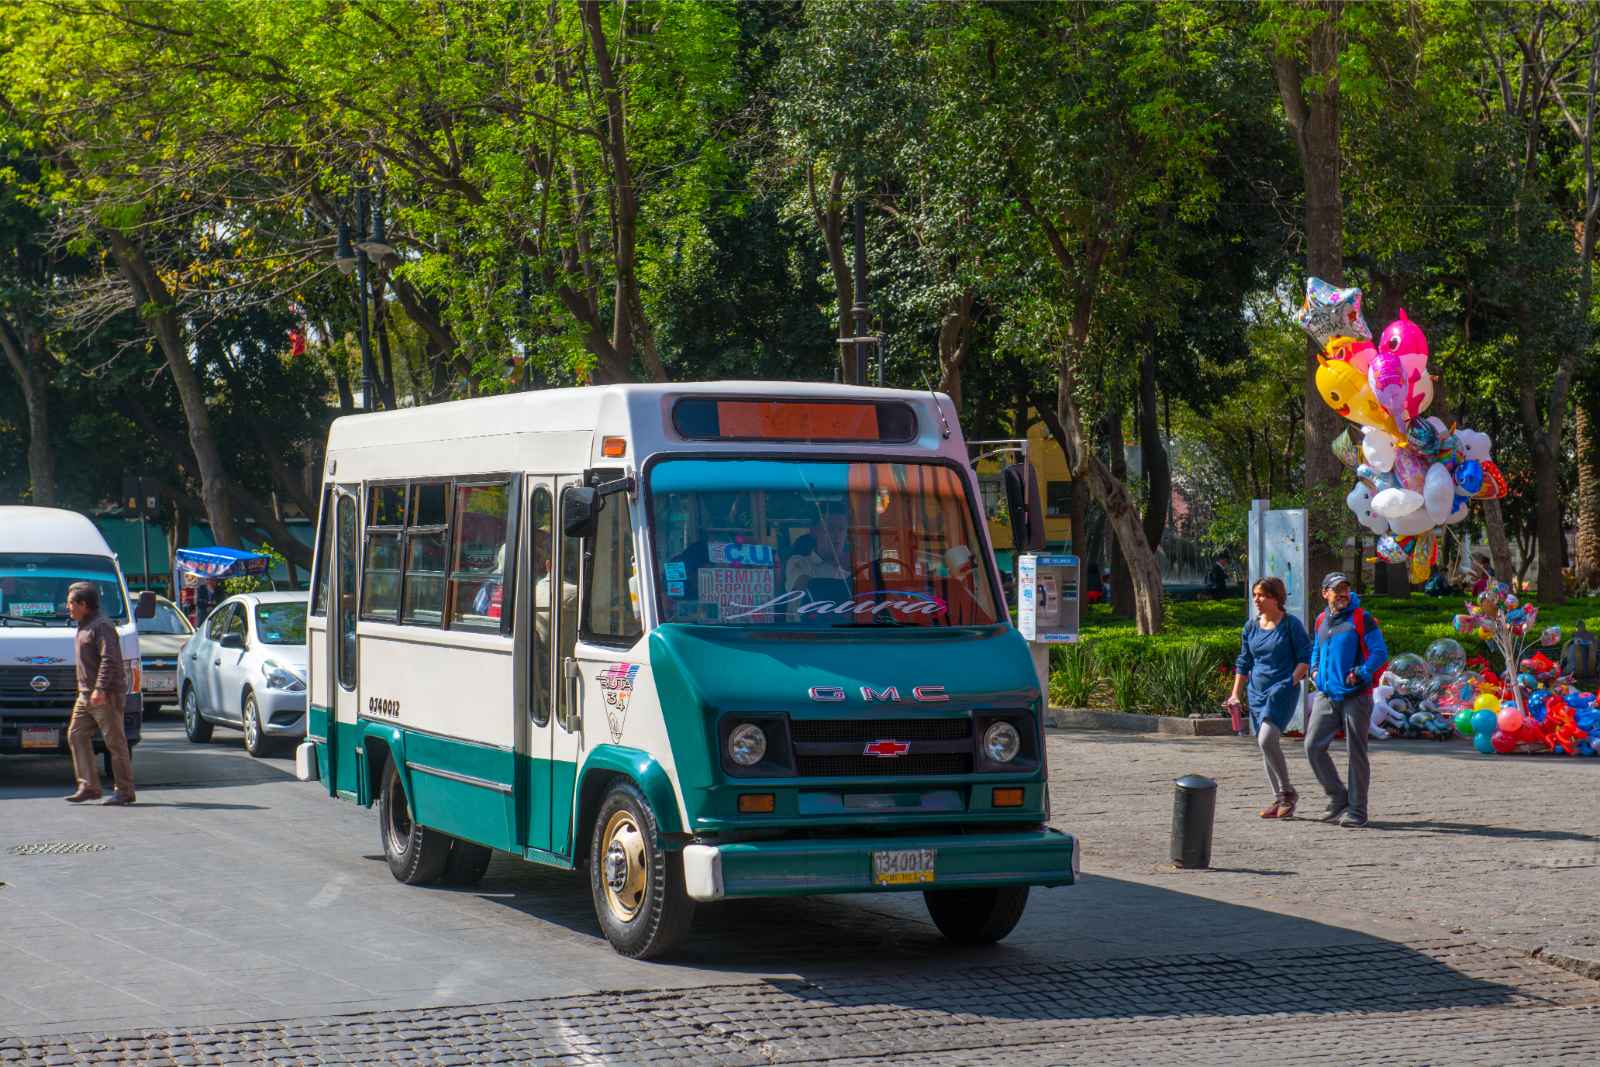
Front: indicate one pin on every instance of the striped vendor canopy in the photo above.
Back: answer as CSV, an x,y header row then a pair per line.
x,y
219,562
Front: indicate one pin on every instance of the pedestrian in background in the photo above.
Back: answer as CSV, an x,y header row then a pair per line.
x,y
1275,656
102,684
1347,658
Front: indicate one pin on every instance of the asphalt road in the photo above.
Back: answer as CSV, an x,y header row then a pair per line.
x,y
235,915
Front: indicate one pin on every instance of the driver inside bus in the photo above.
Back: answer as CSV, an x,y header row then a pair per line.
x,y
823,553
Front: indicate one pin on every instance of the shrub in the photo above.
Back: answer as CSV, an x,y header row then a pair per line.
x,y
1124,677
1184,681
1074,676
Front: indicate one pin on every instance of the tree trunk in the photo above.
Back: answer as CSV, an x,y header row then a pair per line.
x,y
828,213
1122,599
1153,453
1587,565
1499,547
154,305
953,344
24,350
1314,121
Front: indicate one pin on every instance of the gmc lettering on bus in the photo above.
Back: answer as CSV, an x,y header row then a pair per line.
x,y
389,709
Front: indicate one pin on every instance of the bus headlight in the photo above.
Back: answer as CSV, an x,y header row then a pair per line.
x,y
1001,742
747,744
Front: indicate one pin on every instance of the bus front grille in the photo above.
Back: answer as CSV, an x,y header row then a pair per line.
x,y
875,767
834,731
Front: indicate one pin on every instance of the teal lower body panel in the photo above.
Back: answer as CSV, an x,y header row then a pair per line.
x,y
844,865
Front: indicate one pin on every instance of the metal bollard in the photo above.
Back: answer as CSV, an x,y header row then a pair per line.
x,y
1194,804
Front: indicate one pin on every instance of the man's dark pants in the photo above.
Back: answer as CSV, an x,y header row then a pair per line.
x,y
1353,714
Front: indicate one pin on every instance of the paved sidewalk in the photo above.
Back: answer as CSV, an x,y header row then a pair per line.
x,y
1504,849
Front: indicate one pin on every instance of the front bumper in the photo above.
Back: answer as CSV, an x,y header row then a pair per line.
x,y
14,720
283,713
160,685
1043,857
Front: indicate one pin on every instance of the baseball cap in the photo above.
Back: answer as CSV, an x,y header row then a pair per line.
x,y
1333,578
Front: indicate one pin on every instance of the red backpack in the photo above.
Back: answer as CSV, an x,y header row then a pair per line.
x,y
1359,618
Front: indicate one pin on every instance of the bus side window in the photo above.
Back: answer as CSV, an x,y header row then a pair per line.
x,y
541,529
319,580
612,605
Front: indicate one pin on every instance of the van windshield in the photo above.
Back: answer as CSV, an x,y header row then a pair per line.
x,y
828,543
33,587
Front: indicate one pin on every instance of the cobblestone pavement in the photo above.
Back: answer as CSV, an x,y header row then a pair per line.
x,y
1501,849
1439,1002
233,894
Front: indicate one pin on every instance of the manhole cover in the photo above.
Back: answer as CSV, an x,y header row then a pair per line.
x,y
56,848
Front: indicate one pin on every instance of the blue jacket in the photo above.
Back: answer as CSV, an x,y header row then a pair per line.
x,y
1337,651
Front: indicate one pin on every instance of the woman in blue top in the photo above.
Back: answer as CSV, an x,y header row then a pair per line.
x,y
1275,655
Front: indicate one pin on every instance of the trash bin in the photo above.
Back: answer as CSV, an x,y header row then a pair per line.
x,y
1194,805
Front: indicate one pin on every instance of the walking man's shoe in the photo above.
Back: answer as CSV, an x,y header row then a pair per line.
x,y
80,796
117,800
1334,812
1349,821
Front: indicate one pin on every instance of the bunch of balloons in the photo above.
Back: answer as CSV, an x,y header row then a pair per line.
x,y
1552,717
1413,473
1413,698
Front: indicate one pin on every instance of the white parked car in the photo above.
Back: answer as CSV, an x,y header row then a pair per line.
x,y
246,667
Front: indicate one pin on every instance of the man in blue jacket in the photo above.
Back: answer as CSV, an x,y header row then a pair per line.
x,y
1346,659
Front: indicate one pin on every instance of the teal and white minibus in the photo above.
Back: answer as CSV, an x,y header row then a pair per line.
x,y
701,641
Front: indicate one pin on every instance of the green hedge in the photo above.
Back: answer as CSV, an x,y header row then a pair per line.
x,y
1188,667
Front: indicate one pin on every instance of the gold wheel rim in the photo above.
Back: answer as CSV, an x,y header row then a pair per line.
x,y
622,866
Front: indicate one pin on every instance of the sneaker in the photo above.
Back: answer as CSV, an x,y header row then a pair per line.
x,y
1334,812
117,800
1352,822
80,796
1274,811
1286,805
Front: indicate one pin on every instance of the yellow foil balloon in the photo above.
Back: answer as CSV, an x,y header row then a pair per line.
x,y
1344,389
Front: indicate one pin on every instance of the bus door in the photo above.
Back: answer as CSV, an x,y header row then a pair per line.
x,y
567,725
342,611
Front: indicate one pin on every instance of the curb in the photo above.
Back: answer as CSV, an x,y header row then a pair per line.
x,y
1585,968
1128,722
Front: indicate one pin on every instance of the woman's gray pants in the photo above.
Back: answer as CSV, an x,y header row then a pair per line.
x,y
1269,737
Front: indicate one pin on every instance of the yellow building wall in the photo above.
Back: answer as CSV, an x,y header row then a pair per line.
x,y
1055,488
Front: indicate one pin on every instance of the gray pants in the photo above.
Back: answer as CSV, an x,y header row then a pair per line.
x,y
1269,737
1354,714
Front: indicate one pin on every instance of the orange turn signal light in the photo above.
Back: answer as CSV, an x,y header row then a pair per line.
x,y
756,803
613,447
1007,798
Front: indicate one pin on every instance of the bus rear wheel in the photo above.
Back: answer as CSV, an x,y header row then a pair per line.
x,y
639,896
416,854
976,916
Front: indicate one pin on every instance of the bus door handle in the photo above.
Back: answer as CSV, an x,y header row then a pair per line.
x,y
569,673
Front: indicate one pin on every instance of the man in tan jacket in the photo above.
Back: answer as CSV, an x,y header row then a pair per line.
x,y
102,687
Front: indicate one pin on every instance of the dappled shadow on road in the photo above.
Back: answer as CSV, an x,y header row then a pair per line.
x,y
1430,826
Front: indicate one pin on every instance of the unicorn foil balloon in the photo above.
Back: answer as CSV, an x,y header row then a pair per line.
x,y
1386,374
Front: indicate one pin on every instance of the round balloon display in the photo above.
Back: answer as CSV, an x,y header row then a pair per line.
x,y
1447,658
1413,672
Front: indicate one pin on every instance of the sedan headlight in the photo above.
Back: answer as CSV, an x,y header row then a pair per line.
x,y
1001,742
747,744
280,677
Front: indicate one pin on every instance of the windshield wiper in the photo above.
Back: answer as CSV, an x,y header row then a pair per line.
x,y
36,620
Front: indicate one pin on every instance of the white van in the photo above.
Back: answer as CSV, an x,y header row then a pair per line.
x,y
696,641
43,551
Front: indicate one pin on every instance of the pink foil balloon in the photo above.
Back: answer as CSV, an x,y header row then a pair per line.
x,y
1403,337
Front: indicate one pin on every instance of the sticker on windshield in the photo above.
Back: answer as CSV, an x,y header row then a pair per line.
x,y
675,572
675,589
737,554
27,607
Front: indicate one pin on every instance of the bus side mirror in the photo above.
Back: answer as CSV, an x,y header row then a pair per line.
x,y
146,608
580,511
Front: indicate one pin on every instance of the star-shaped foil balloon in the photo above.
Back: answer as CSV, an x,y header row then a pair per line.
x,y
1329,312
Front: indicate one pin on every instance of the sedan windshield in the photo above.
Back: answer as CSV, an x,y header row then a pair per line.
x,y
33,587
281,624
166,620
817,543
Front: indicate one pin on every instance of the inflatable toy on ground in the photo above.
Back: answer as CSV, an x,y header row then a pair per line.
x,y
1417,473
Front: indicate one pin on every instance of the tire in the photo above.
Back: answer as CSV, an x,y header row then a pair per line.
x,y
416,854
194,725
639,896
976,916
256,741
467,863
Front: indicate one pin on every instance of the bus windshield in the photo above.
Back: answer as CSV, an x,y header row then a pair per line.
x,y
818,543
33,587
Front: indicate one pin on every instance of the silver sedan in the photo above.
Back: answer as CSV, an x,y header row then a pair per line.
x,y
245,667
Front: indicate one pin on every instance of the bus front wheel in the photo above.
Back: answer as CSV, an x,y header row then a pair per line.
x,y
976,916
416,854
639,896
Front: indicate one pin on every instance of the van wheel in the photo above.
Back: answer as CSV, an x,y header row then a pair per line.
x,y
256,741
197,729
976,916
639,895
467,863
416,854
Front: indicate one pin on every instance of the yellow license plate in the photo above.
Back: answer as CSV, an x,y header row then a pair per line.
x,y
40,737
903,866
